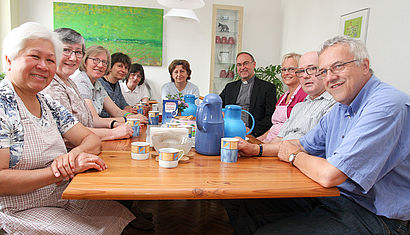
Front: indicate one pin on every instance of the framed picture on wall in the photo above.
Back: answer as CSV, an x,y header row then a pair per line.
x,y
354,24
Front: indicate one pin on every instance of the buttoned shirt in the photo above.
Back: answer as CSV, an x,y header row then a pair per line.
x,y
96,93
305,116
368,141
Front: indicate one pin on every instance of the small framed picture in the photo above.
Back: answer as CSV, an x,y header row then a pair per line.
x,y
354,24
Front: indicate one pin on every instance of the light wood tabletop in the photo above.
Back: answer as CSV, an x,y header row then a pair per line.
x,y
201,177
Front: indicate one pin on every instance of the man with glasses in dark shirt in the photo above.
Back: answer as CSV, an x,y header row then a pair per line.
x,y
361,146
252,94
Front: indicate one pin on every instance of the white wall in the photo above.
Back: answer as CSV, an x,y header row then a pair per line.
x,y
306,24
190,40
271,28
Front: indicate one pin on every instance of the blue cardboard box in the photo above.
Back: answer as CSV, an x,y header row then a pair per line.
x,y
169,110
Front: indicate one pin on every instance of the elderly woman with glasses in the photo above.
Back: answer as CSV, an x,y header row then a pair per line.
x,y
34,164
64,90
292,96
95,64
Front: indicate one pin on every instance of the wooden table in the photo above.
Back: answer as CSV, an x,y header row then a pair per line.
x,y
202,177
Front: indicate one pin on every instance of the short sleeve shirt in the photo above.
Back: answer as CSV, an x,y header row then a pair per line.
x,y
135,96
96,93
11,129
170,89
368,141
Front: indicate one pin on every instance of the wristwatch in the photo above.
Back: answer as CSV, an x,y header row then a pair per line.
x,y
292,157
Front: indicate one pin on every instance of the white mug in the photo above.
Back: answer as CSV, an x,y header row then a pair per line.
x,y
139,150
169,157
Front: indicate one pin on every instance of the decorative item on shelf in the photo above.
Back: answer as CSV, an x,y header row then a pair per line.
x,y
181,14
231,40
224,56
224,17
223,74
223,27
230,74
224,40
182,4
218,39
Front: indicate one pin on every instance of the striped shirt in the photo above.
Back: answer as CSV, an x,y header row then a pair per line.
x,y
305,116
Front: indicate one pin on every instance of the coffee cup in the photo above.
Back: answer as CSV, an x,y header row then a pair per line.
x,y
223,73
218,39
135,124
139,150
140,108
155,107
169,157
153,117
190,128
224,40
229,150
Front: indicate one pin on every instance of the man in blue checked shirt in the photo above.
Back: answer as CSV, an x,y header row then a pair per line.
x,y
361,146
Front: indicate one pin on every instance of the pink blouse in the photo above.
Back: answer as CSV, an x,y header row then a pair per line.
x,y
298,97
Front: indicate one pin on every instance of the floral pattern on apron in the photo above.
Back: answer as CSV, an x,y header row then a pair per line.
x,y
42,211
280,116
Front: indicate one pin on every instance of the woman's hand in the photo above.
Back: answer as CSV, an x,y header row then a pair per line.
x,y
86,161
122,131
64,165
142,118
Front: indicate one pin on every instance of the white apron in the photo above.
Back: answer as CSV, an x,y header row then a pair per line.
x,y
280,116
43,211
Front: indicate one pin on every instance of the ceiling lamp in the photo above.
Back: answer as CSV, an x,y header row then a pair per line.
x,y
182,4
182,14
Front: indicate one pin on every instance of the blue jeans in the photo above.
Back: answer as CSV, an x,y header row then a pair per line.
x,y
330,215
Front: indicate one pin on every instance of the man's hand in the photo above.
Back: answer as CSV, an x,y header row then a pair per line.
x,y
142,118
246,149
286,148
130,109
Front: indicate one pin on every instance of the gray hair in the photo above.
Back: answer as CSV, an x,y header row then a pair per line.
x,y
70,36
293,55
15,40
357,47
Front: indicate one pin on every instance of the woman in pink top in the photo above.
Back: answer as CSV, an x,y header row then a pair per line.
x,y
294,95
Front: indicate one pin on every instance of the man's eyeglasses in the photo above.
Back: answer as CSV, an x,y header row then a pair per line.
x,y
68,52
246,63
335,69
289,70
309,71
97,61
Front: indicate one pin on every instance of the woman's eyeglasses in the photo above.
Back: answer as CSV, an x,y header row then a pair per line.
x,y
96,61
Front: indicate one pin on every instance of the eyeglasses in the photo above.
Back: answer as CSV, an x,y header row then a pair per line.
x,y
290,70
68,52
98,61
309,71
246,63
335,69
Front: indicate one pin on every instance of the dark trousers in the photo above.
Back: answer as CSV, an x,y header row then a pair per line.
x,y
331,215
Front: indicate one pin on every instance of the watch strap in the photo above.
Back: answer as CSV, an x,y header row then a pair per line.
x,y
294,154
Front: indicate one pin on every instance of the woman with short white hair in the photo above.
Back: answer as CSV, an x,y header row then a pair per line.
x,y
34,164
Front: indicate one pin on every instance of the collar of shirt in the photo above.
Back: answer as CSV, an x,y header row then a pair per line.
x,y
325,95
356,104
250,81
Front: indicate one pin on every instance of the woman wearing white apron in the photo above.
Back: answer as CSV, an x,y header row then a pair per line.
x,y
291,97
34,165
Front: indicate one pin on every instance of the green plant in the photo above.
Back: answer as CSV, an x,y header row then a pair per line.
x,y
271,74
2,75
181,102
